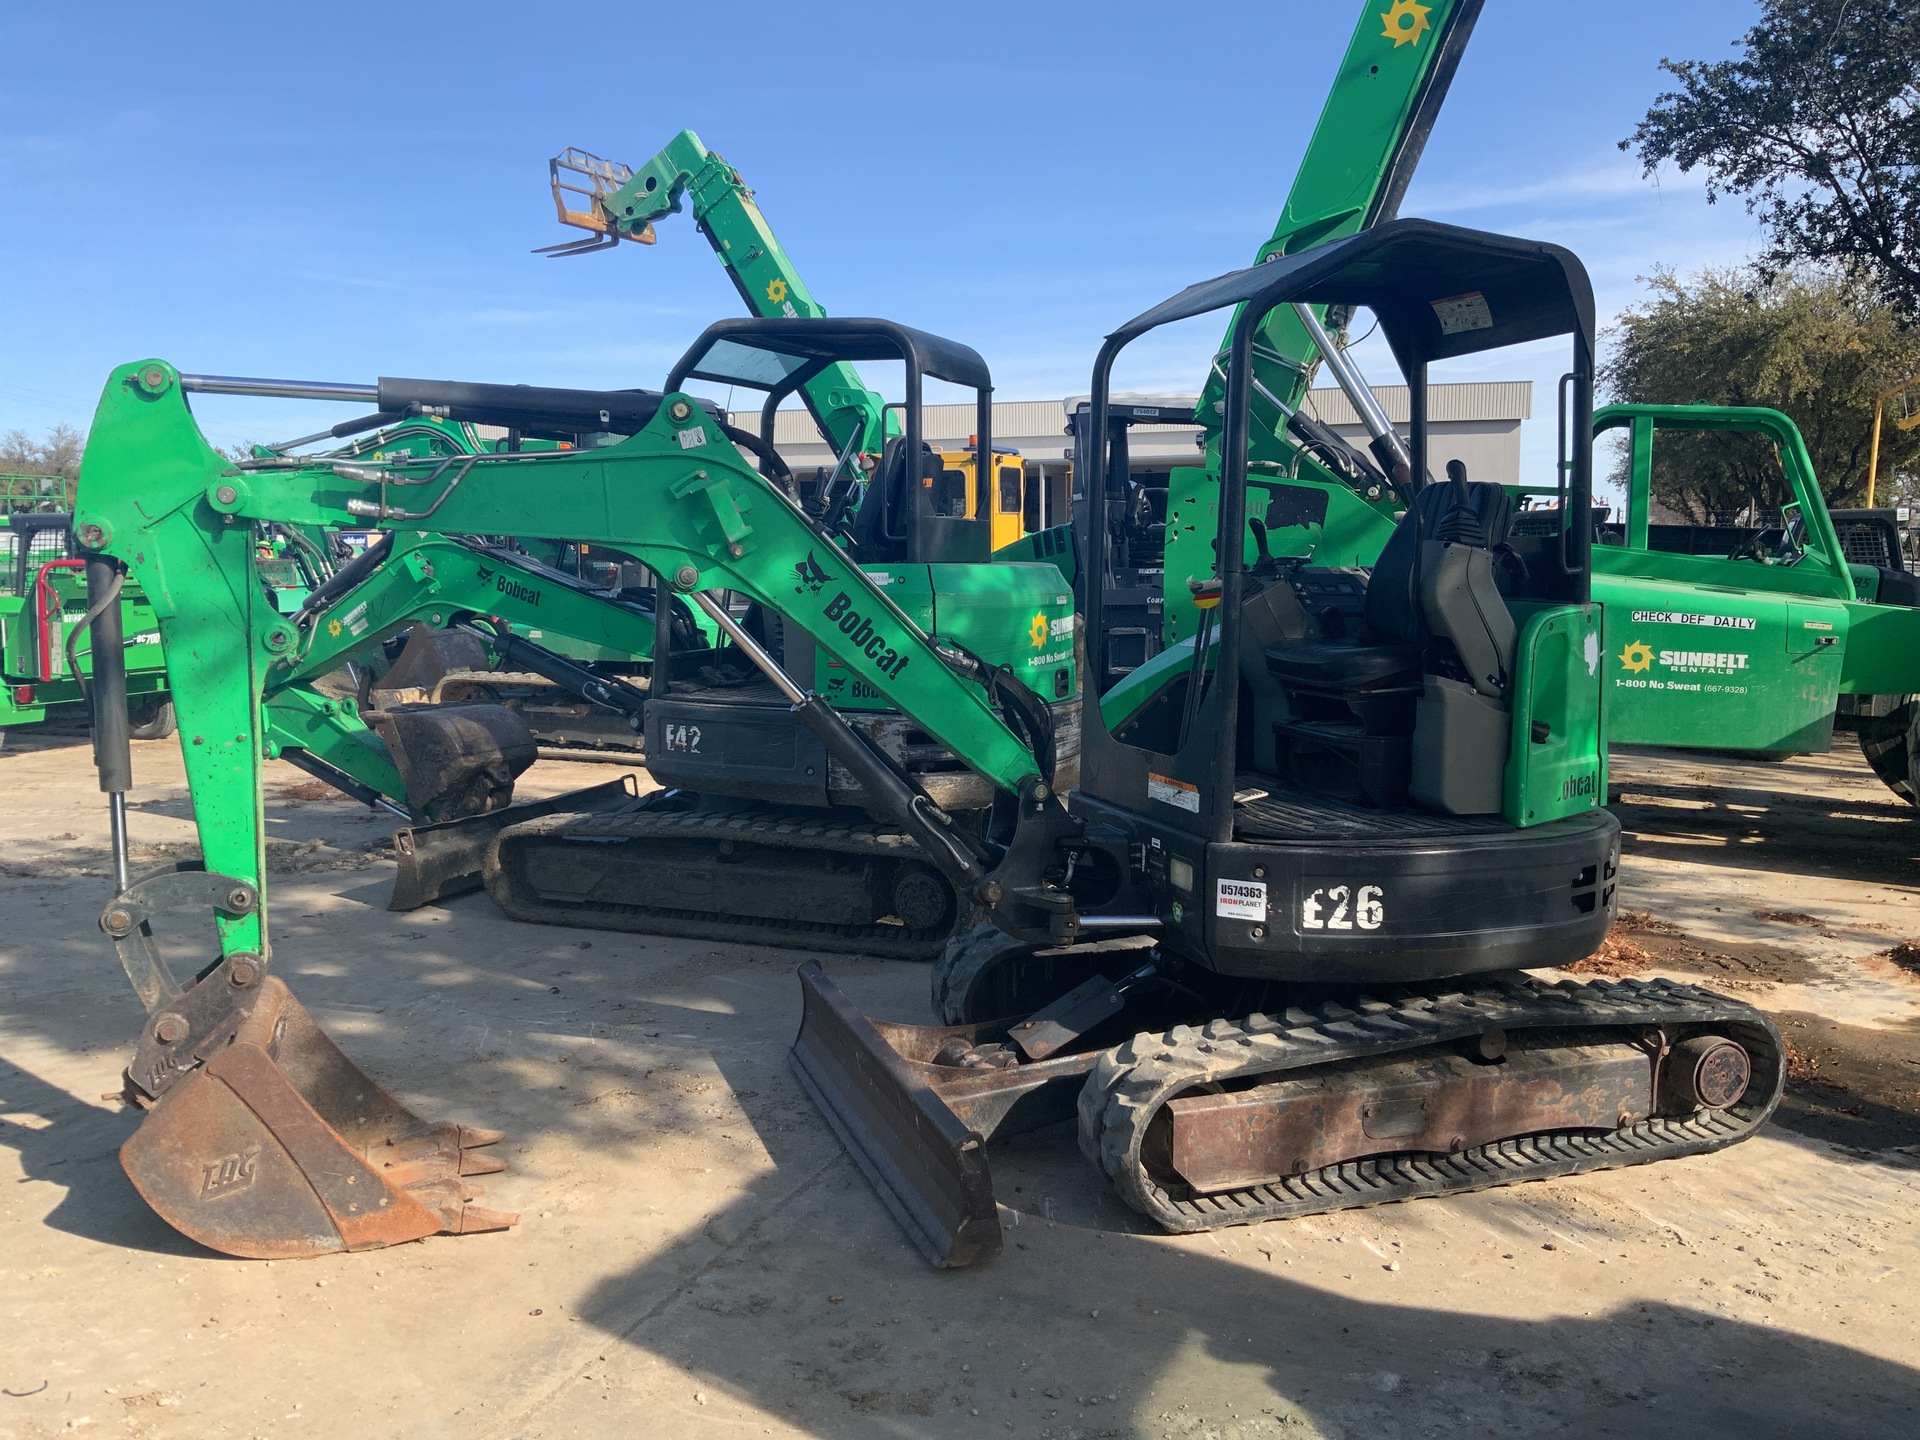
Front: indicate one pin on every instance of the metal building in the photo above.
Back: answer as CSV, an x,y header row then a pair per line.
x,y
1477,422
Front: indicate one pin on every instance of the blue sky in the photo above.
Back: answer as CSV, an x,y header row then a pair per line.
x,y
345,191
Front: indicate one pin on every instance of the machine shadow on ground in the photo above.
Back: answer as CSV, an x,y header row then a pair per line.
x,y
651,1074
1778,818
815,1309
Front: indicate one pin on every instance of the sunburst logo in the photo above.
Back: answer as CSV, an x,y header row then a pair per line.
x,y
1637,657
1037,632
776,290
334,628
1406,22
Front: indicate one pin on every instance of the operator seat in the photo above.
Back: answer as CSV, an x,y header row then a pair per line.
x,y
1435,638
1391,645
886,532
875,540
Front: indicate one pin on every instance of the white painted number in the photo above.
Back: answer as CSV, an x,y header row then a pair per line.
x,y
1341,907
684,737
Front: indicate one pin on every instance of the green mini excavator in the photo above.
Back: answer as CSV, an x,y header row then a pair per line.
x,y
1268,944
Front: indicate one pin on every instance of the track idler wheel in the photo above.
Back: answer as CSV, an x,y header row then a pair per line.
x,y
276,1146
1704,1072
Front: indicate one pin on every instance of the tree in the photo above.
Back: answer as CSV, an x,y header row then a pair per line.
x,y
1816,125
58,453
1817,346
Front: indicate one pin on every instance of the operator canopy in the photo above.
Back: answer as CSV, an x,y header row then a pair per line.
x,y
1438,290
785,353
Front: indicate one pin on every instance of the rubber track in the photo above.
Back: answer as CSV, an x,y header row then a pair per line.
x,y
1134,1080
782,829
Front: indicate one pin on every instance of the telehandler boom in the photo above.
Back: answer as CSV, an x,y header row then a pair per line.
x,y
624,203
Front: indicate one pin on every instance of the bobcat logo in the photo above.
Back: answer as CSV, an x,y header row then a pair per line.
x,y
486,574
811,575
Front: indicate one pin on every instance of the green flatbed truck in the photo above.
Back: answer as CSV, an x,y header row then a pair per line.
x,y
1757,639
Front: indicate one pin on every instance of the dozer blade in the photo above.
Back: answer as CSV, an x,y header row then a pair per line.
x,y
928,1167
438,861
916,1127
279,1147
456,760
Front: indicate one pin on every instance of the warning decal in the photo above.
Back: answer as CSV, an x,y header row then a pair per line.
x,y
1173,792
1463,312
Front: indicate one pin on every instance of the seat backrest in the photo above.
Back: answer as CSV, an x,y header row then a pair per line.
x,y
883,509
1460,512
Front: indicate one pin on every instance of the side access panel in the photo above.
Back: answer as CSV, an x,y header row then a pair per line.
x,y
1557,754
1714,668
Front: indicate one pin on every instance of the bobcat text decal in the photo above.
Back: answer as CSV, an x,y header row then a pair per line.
x,y
513,589
890,657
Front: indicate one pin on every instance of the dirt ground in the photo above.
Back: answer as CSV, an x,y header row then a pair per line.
x,y
698,1255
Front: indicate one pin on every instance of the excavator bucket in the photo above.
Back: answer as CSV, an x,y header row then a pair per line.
x,y
428,657
456,760
280,1147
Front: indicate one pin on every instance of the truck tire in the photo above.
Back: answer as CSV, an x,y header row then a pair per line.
x,y
153,720
1889,742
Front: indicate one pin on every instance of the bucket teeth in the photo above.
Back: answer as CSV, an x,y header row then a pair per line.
x,y
472,1137
472,1164
473,1219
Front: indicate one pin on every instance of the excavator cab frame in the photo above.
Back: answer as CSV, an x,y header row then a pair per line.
x,y
1192,795
780,356
1263,975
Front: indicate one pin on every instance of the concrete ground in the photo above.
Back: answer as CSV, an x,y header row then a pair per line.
x,y
697,1254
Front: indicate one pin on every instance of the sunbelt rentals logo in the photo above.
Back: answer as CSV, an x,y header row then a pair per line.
x,y
1406,22
1639,657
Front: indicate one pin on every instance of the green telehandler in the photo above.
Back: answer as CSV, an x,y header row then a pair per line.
x,y
1261,997
622,202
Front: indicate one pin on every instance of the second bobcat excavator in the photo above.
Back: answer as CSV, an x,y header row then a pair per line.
x,y
1267,983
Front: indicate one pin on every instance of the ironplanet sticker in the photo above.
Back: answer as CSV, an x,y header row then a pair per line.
x,y
1681,617
1240,899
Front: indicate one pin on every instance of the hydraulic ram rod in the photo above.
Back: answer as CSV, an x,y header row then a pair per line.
x,y
281,389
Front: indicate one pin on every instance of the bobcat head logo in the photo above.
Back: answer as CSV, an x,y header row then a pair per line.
x,y
811,575
486,574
